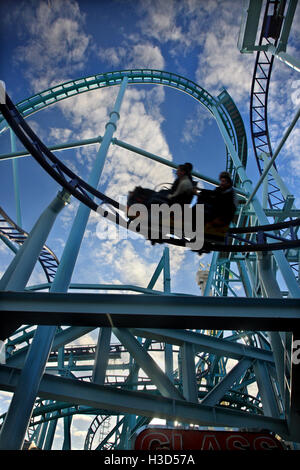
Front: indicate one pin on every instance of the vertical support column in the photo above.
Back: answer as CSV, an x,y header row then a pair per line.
x,y
18,415
190,389
167,276
168,347
42,430
245,278
101,356
265,193
279,340
266,390
15,167
123,444
67,433
42,436
50,434
211,274
71,250
169,360
169,368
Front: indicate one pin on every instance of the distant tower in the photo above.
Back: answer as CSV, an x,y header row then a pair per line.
x,y
202,276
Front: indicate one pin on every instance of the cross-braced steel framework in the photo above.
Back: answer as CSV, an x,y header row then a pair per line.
x,y
227,364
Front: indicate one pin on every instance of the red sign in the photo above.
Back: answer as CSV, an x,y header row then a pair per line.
x,y
154,439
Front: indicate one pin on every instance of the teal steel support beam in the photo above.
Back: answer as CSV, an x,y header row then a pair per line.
x,y
163,266
265,193
112,287
15,168
286,28
167,274
63,337
50,434
249,25
19,412
145,361
101,356
245,278
56,148
129,311
284,57
156,273
211,274
169,365
217,393
266,390
142,404
42,436
209,344
67,433
169,368
189,382
69,257
271,289
287,373
8,243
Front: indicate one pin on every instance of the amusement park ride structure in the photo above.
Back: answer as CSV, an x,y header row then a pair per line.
x,y
198,386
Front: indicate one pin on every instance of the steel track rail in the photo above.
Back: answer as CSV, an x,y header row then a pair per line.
x,y
259,106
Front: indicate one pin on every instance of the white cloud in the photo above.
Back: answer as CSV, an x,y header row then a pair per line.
x,y
283,103
207,29
221,64
141,55
59,134
5,399
194,126
79,433
55,43
159,20
89,338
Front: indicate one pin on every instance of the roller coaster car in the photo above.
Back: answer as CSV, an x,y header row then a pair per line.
x,y
215,229
147,197
138,196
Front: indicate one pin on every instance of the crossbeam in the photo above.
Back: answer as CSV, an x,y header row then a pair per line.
x,y
140,403
121,310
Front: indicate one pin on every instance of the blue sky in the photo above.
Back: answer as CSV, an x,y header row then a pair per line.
x,y
44,43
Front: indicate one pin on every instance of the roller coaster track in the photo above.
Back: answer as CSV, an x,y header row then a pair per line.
x,y
81,190
259,105
100,421
11,231
141,76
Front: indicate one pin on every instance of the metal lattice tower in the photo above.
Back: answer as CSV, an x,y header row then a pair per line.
x,y
227,364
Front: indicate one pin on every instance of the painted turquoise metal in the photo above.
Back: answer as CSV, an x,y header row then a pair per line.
x,y
184,383
19,412
15,167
